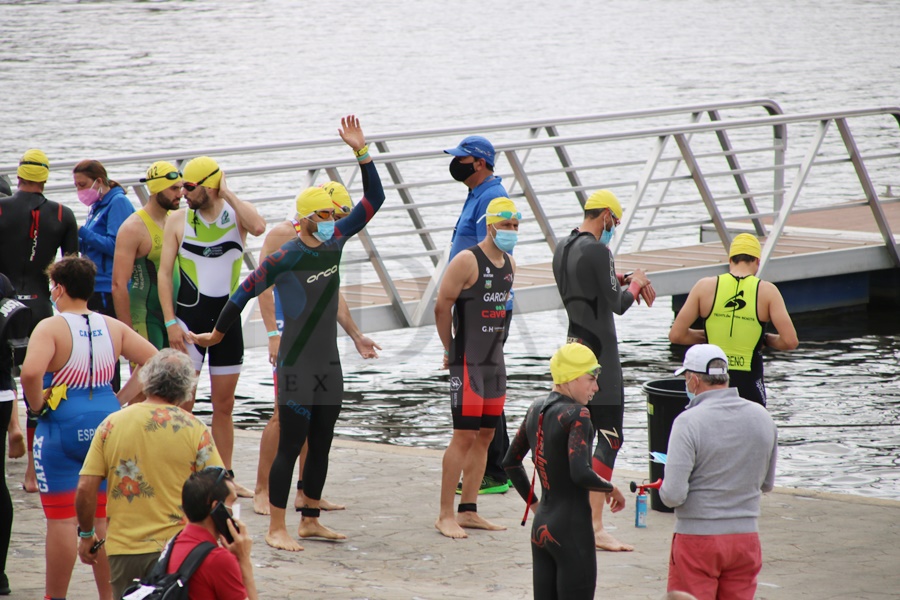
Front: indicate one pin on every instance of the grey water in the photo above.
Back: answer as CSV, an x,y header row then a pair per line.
x,y
105,78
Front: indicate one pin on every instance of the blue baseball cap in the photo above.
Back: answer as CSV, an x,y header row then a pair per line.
x,y
476,146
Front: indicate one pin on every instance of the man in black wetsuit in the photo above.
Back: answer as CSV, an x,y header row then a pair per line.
x,y
591,291
557,430
473,297
33,230
306,273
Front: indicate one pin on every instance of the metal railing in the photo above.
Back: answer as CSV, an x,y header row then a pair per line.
x,y
730,166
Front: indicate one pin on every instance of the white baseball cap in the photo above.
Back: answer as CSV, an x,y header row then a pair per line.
x,y
698,357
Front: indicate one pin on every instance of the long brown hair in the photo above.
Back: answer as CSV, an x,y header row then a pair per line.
x,y
95,170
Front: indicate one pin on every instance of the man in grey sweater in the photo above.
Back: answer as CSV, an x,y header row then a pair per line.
x,y
721,456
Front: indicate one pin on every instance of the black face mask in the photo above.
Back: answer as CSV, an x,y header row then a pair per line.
x,y
461,171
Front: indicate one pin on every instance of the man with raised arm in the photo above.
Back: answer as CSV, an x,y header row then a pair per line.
x,y
138,250
470,314
736,307
592,292
306,273
272,313
205,242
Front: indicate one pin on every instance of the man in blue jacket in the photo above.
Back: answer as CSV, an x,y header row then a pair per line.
x,y
473,165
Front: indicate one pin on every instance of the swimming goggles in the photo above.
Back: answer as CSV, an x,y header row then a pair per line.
x,y
193,186
171,176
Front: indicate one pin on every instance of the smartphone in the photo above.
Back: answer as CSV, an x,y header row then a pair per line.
x,y
96,547
220,517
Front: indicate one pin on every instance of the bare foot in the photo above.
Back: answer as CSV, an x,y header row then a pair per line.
x,y
282,541
16,444
603,540
243,492
30,485
324,504
450,528
312,528
261,503
473,520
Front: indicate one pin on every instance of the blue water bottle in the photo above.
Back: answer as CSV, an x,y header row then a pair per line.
x,y
640,510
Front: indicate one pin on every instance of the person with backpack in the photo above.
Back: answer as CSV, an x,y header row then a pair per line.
x,y
226,573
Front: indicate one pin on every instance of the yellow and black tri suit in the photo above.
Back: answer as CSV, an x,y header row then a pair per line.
x,y
733,324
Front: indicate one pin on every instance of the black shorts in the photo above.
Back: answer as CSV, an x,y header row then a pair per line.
x,y
226,357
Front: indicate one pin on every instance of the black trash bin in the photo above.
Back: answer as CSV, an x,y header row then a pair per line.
x,y
666,399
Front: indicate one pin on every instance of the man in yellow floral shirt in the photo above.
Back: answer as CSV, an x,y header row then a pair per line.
x,y
145,452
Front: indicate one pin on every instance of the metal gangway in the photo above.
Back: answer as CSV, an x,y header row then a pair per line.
x,y
689,177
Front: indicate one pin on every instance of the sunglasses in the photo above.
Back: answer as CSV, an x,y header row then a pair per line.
x,y
506,215
322,214
171,176
222,471
193,186
342,210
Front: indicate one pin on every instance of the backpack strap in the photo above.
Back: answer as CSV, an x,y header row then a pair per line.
x,y
193,560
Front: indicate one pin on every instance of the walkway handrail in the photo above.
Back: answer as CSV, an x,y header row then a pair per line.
x,y
714,172
769,105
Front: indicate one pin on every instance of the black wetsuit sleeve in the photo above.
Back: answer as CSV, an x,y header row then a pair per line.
x,y
512,463
70,232
581,434
257,282
598,264
365,209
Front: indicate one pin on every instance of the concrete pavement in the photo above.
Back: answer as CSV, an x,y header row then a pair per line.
x,y
815,545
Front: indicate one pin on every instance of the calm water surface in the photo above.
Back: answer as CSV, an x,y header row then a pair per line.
x,y
102,78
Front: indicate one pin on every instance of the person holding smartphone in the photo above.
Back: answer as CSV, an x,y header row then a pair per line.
x,y
227,572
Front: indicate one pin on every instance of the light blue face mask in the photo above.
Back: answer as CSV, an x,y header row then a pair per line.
x,y
607,236
324,231
506,240
689,393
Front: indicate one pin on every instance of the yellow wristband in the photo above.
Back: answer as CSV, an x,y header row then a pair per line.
x,y
362,151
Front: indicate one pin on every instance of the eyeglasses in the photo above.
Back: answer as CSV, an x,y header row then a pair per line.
x,y
193,186
506,215
171,176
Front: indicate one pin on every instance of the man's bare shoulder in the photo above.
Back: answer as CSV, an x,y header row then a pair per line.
x,y
279,235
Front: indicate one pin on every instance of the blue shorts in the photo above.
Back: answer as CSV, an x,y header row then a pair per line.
x,y
61,442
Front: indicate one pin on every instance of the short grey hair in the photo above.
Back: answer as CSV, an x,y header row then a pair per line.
x,y
169,375
716,363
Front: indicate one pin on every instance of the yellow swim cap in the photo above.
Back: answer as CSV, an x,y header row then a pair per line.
x,y
203,169
604,199
339,197
312,199
34,166
501,209
161,175
571,362
745,243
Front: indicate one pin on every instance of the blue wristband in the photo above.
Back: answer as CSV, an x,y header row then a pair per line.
x,y
171,322
85,534
273,333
